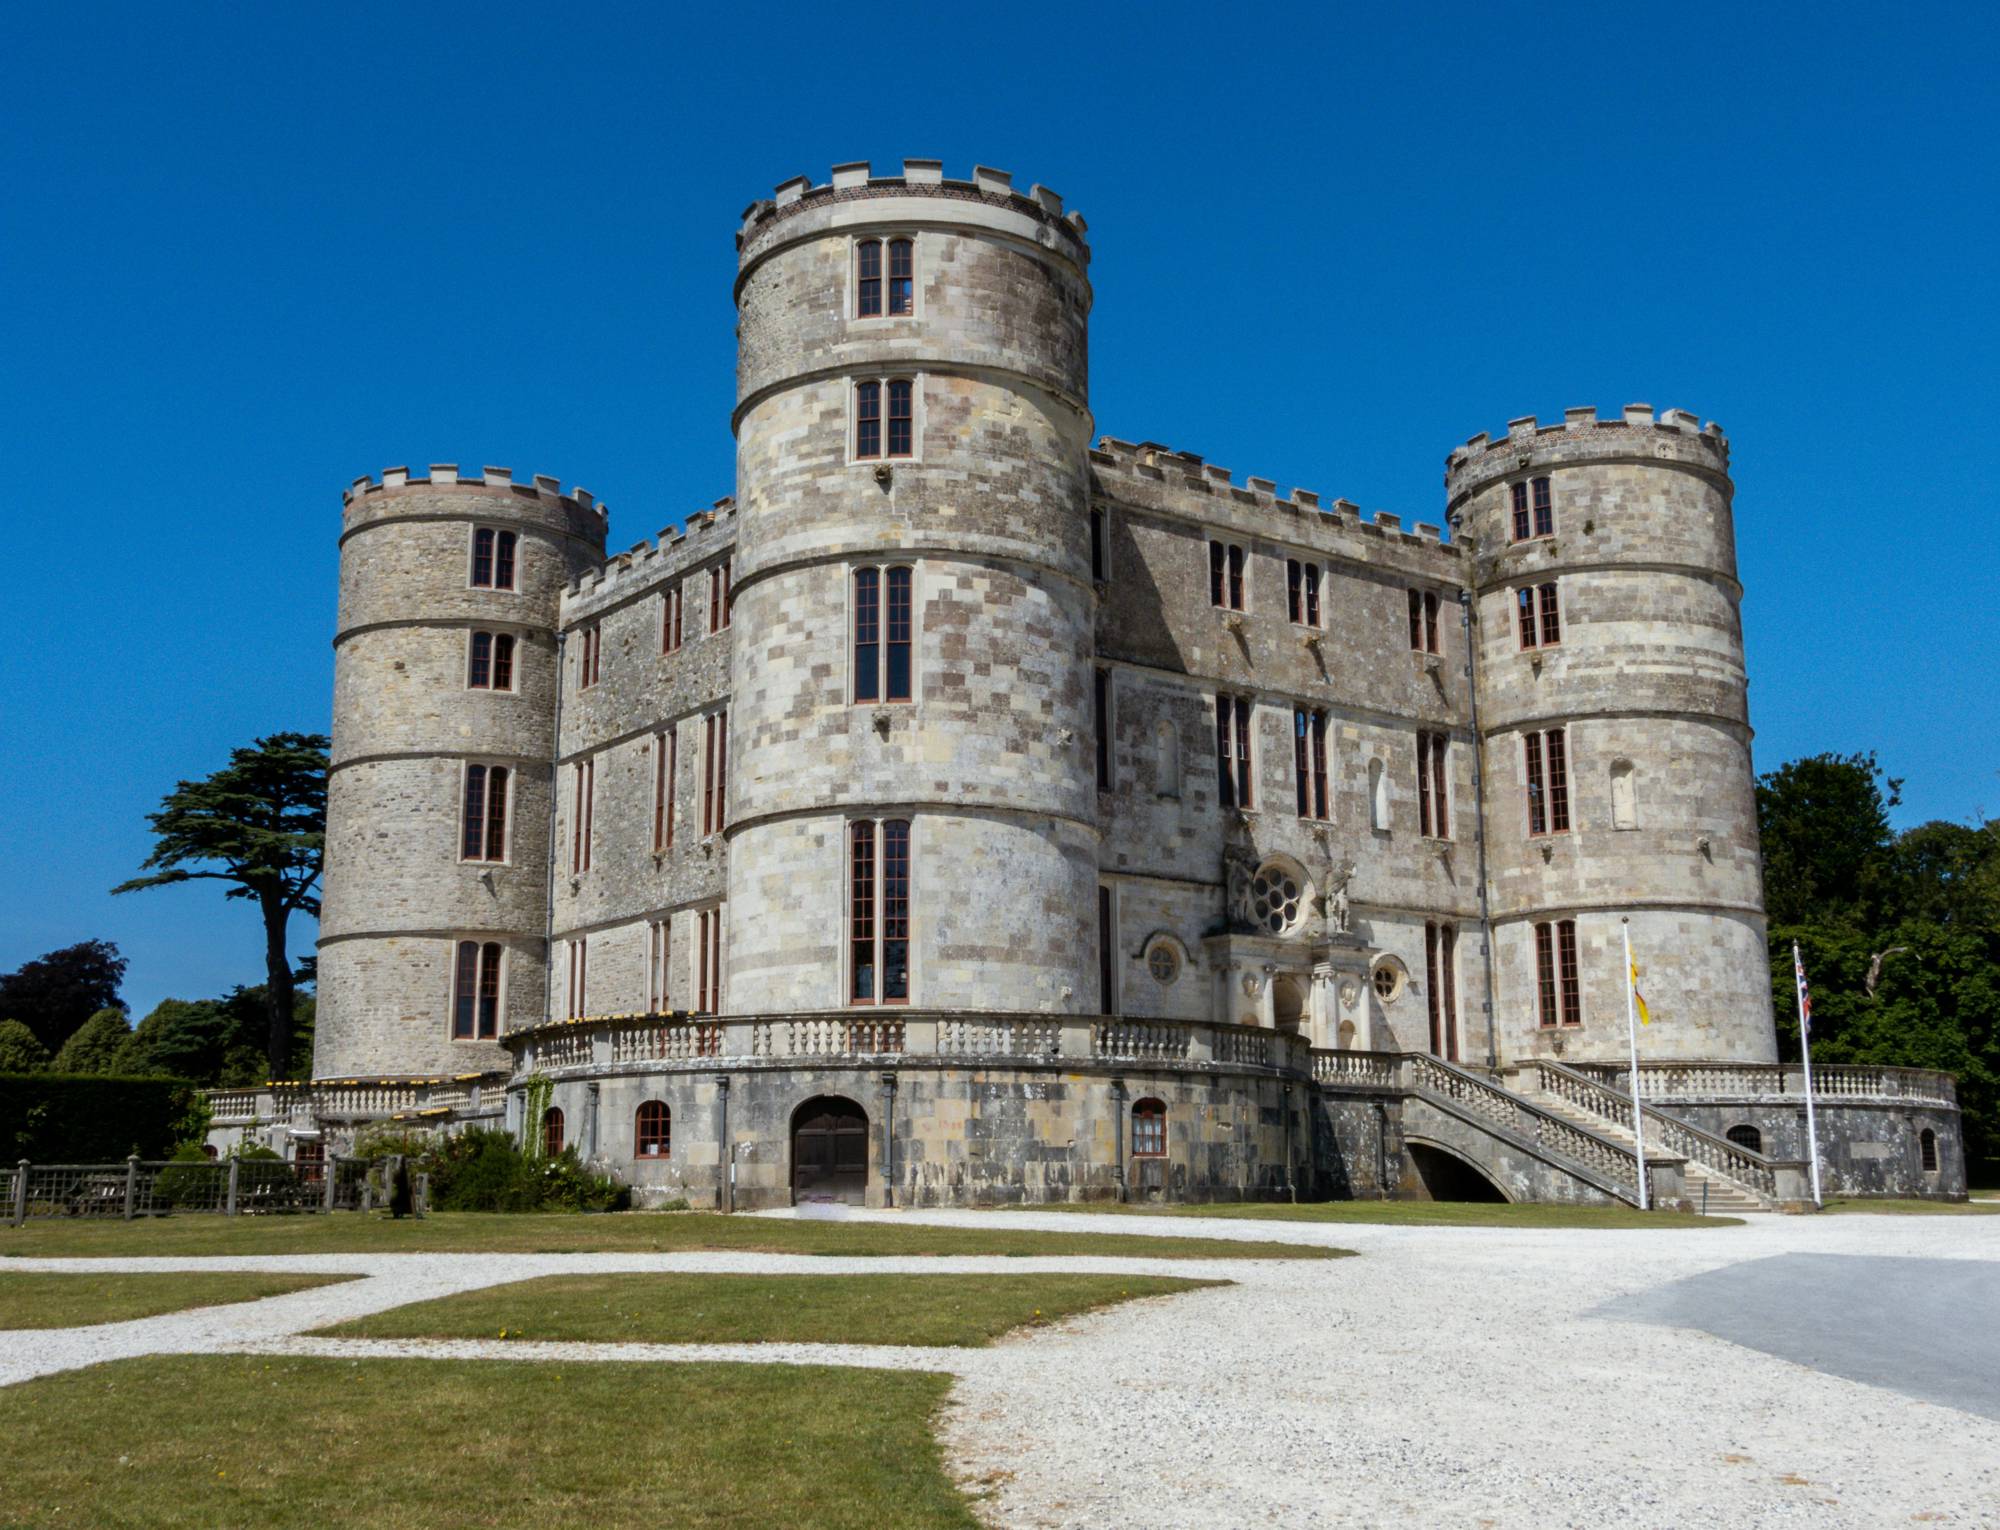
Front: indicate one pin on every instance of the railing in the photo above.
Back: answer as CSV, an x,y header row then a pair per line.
x,y
1471,1095
633,1042
1357,1070
996,1036
225,1187
229,1106
1141,1040
1752,1170
1834,1081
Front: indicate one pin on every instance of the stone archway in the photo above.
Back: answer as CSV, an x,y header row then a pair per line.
x,y
830,1151
1288,1003
1441,1175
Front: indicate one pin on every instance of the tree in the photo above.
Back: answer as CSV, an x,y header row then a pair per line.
x,y
1824,822
94,1046
258,824
20,1051
54,994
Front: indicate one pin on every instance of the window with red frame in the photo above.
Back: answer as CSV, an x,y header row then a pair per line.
x,y
1309,760
714,770
708,961
475,996
483,834
1441,975
1232,751
878,912
1543,630
718,596
670,619
583,809
1433,786
1559,996
1225,576
652,1130
1534,510
490,665
868,263
1423,621
902,277
493,558
587,657
552,1133
1545,765
578,992
1149,1129
1302,592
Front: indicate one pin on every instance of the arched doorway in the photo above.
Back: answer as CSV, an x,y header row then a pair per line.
x,y
829,1151
1444,1176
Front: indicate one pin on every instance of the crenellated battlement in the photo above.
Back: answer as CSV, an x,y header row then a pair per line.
x,y
1675,434
705,533
1283,516
445,475
855,181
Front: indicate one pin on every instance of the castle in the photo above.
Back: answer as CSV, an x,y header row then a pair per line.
x,y
969,811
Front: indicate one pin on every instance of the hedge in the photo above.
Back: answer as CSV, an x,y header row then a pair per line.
x,y
87,1118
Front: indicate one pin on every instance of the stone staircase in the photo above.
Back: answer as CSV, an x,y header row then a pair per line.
x,y
1722,1177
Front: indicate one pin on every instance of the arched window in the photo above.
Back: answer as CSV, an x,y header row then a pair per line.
x,y
1927,1148
1149,1129
652,1131
1746,1137
1378,795
475,1008
1624,806
552,1131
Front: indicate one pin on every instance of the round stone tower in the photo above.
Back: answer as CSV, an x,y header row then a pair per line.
x,y
444,691
913,600
1614,720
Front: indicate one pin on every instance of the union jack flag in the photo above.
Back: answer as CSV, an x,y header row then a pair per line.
x,y
1805,993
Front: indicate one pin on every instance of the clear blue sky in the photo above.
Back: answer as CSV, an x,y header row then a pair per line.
x,y
248,252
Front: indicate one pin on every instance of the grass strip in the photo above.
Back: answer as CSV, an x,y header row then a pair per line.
x,y
625,1232
30,1299
1912,1208
1416,1213
306,1444
957,1310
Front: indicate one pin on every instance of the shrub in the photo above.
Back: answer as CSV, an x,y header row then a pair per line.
x,y
20,1051
486,1171
59,1118
93,1047
191,1178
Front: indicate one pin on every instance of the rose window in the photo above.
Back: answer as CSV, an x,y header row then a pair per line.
x,y
1164,963
1274,899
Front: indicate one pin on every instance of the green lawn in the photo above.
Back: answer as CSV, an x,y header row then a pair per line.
x,y
656,1232
963,1310
1415,1213
1914,1208
31,1300
233,1442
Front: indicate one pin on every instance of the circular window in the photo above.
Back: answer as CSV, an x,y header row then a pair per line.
x,y
1274,899
1388,981
1164,962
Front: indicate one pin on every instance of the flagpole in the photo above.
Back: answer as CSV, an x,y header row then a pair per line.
x,y
1805,1051
1632,1027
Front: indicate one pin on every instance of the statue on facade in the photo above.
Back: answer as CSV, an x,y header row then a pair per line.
x,y
1239,871
1339,913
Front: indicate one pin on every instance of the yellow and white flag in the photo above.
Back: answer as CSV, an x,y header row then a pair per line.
x,y
1638,998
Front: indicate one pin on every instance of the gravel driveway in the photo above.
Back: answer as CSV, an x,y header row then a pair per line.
x,y
1451,1376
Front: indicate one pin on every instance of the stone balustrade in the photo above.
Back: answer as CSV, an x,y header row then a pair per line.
x,y
635,1041
301,1103
1767,1081
1772,1179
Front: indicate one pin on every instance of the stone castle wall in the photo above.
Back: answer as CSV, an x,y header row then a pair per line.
x,y
992,760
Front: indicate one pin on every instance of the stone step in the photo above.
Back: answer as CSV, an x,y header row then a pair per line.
x,y
1724,1194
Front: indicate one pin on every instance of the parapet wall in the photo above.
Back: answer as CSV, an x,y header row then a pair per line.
x,y
706,534
1154,477
1675,436
539,498
853,182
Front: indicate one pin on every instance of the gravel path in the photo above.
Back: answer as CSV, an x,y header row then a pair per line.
x,y
1450,1376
